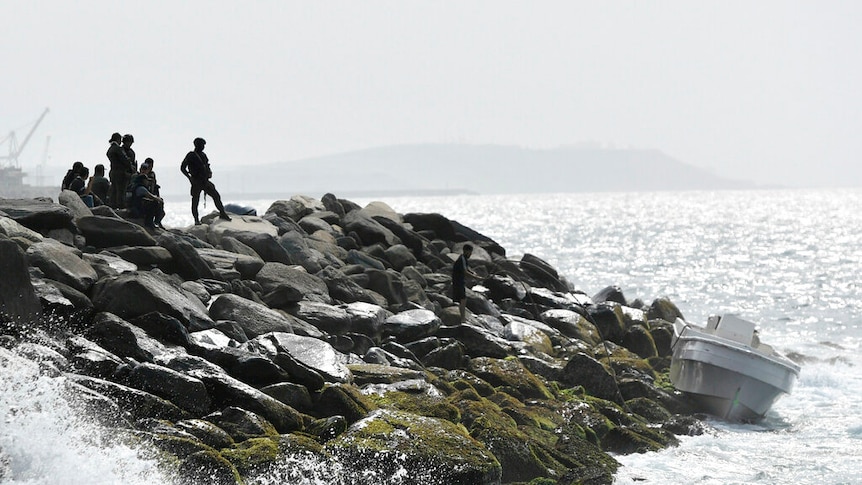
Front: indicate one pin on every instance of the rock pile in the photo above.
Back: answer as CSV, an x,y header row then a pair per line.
x,y
326,329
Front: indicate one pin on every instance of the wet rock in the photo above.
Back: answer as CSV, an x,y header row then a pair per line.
x,y
367,319
226,391
341,287
638,340
62,264
535,339
18,300
138,404
297,248
254,318
583,370
609,320
208,433
398,442
208,467
164,328
313,353
411,325
186,392
328,318
122,338
572,324
131,295
294,395
450,356
478,341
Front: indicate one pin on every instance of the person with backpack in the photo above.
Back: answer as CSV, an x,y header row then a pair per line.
x,y
70,175
196,168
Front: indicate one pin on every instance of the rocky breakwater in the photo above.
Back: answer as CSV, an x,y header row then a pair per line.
x,y
326,330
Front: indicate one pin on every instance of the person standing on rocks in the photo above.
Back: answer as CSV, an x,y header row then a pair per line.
x,y
120,174
130,154
196,168
460,270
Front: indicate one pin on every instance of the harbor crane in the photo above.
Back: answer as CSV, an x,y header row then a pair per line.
x,y
15,148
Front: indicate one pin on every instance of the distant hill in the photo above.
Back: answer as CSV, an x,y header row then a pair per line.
x,y
483,169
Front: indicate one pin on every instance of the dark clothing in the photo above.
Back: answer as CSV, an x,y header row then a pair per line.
x,y
120,174
459,273
67,180
197,166
150,210
77,185
100,187
151,184
130,155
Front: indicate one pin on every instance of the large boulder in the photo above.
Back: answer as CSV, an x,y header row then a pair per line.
x,y
40,214
190,265
367,319
186,392
387,283
572,324
237,225
131,295
438,224
341,287
369,230
274,275
254,318
226,391
313,353
411,325
328,318
11,229
123,339
106,232
145,256
297,248
18,300
583,370
416,449
137,403
265,245
63,264
224,262
296,207
72,200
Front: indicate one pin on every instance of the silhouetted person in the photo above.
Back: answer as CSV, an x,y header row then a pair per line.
x,y
99,185
145,204
460,270
196,168
130,154
120,173
152,185
71,174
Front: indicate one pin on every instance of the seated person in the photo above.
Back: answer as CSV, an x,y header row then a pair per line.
x,y
99,185
71,174
152,185
77,186
146,205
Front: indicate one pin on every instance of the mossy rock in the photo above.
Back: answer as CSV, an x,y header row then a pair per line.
x,y
625,441
181,447
252,456
421,404
419,449
509,373
242,424
521,458
326,429
342,400
208,467
461,380
648,409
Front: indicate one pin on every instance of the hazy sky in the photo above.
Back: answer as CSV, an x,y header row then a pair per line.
x,y
758,90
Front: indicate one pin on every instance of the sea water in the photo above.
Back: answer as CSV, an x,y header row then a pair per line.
x,y
787,260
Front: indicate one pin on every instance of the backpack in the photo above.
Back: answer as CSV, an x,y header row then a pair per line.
x,y
67,180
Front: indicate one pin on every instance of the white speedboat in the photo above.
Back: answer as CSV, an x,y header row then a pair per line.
x,y
727,371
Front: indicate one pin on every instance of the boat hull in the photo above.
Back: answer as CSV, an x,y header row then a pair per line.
x,y
727,379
